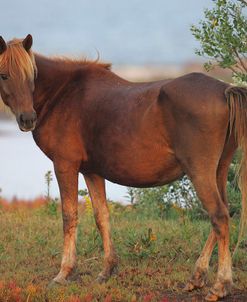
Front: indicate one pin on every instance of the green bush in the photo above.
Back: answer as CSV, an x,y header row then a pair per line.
x,y
152,201
170,201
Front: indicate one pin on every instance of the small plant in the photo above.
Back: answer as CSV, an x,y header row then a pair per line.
x,y
88,205
130,195
141,246
93,243
83,192
48,180
52,207
52,204
11,292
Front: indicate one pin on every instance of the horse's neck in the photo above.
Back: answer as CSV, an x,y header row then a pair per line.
x,y
50,79
55,76
50,73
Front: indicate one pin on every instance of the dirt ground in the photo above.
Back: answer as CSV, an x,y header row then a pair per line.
x,y
198,296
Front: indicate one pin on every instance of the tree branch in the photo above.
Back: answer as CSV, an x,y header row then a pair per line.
x,y
240,60
243,1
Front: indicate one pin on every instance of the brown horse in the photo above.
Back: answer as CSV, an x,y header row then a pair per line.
x,y
87,119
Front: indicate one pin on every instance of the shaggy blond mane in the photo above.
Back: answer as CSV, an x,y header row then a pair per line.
x,y
17,62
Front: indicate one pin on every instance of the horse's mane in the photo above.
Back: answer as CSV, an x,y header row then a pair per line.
x,y
17,62
68,63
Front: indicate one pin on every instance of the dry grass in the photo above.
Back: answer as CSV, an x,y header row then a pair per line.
x,y
153,267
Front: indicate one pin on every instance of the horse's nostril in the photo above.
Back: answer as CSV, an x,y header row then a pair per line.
x,y
27,120
22,119
34,117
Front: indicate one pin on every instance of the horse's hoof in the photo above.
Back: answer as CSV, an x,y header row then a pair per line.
x,y
52,284
193,284
212,297
104,276
197,280
219,290
189,287
115,270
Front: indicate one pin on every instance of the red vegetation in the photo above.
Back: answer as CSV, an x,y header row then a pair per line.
x,y
22,203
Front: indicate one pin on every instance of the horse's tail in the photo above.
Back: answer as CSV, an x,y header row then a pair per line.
x,y
237,103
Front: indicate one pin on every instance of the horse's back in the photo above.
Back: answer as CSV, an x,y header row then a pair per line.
x,y
194,91
195,100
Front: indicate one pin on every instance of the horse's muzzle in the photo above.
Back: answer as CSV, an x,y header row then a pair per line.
x,y
27,121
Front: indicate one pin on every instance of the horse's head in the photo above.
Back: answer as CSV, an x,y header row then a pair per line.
x,y
17,75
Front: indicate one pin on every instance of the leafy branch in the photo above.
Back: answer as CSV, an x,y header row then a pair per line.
x,y
223,37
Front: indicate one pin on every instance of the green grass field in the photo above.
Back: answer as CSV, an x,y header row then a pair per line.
x,y
156,257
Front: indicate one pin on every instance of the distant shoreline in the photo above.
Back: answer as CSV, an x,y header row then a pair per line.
x,y
152,72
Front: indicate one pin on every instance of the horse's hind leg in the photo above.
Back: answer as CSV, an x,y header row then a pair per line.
x,y
199,275
207,189
201,268
222,173
223,167
96,187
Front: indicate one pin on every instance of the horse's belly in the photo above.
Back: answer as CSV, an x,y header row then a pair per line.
x,y
142,169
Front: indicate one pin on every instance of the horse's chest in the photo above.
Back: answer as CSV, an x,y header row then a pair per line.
x,y
45,142
65,146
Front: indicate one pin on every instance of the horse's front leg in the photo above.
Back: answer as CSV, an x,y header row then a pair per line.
x,y
67,177
96,187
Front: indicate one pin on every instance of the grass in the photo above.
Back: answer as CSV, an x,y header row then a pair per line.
x,y
157,256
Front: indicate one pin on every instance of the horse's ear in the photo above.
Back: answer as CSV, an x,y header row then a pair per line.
x,y
3,45
27,42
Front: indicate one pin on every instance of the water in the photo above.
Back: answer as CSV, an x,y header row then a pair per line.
x,y
23,166
132,32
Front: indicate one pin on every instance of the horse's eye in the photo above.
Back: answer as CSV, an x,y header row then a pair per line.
x,y
4,77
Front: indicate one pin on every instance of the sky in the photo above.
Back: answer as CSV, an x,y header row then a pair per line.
x,y
123,32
